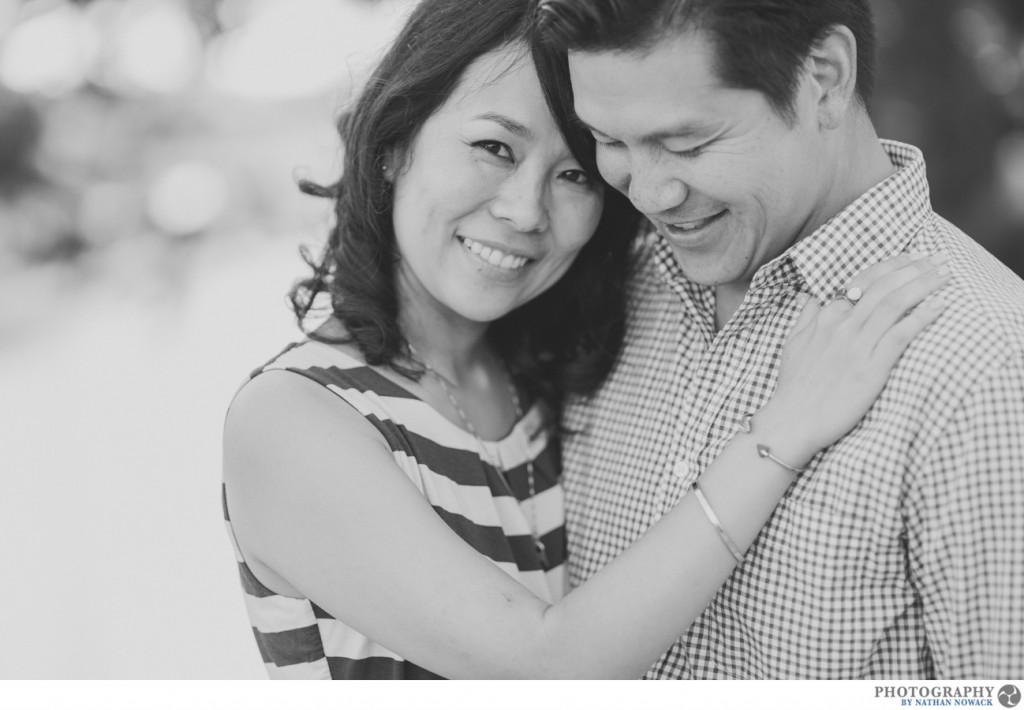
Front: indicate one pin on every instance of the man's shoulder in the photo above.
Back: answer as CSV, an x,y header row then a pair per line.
x,y
985,297
983,325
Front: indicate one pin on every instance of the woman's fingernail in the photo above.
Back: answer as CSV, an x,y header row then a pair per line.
x,y
936,303
802,299
942,271
917,255
939,258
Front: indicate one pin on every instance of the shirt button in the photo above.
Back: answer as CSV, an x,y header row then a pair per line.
x,y
681,469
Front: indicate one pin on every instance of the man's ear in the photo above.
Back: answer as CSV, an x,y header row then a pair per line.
x,y
832,66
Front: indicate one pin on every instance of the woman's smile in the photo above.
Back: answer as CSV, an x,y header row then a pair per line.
x,y
498,257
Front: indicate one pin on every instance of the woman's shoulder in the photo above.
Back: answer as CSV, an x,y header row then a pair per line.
x,y
337,367
309,389
294,447
313,354
286,408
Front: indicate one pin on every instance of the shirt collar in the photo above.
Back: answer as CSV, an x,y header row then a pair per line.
x,y
878,224
697,300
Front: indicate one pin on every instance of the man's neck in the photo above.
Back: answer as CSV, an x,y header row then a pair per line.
x,y
859,163
728,298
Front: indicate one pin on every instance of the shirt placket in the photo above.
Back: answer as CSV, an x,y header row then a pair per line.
x,y
695,338
730,382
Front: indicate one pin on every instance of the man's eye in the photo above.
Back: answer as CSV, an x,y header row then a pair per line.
x,y
606,142
690,152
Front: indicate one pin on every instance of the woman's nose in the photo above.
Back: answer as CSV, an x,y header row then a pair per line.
x,y
521,201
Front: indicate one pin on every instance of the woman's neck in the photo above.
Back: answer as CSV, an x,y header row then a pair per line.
x,y
470,385
456,348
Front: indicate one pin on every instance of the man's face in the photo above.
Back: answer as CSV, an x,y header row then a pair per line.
x,y
727,181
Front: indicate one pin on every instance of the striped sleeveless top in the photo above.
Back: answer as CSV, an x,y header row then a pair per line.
x,y
297,638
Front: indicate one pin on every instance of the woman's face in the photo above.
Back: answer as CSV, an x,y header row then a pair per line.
x,y
490,207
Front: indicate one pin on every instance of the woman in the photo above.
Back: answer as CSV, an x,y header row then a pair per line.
x,y
475,276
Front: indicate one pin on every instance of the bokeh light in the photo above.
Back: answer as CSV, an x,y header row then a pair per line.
x,y
50,53
296,49
186,198
1009,156
152,46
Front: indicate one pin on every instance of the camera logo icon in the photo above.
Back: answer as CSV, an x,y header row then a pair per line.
x,y
1009,696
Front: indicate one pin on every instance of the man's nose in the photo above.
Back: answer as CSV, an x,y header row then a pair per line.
x,y
653,186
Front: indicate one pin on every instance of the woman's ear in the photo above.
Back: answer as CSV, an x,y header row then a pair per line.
x,y
391,163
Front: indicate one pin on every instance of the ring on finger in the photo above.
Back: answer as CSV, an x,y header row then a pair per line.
x,y
852,295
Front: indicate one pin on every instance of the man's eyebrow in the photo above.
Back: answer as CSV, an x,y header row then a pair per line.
x,y
507,123
685,130
580,123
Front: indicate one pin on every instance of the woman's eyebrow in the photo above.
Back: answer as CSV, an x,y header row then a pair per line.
x,y
507,123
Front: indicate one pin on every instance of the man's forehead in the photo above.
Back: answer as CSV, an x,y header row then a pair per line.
x,y
670,89
694,44
688,57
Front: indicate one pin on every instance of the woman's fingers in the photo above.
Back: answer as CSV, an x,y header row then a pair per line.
x,y
896,339
874,285
838,357
877,298
895,293
879,282
916,261
892,304
809,310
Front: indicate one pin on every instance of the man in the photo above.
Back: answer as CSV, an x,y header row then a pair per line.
x,y
740,129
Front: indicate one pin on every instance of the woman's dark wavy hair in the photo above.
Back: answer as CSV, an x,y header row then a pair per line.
x,y
563,342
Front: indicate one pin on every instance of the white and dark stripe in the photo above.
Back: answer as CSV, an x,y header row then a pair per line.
x,y
297,638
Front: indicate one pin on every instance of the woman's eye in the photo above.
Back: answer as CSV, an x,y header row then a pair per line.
x,y
577,177
496,148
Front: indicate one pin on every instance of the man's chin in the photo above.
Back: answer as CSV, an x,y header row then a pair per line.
x,y
703,270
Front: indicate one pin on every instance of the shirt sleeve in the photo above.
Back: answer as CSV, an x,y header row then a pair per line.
x,y
964,509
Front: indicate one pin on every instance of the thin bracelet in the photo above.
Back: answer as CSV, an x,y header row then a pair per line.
x,y
746,426
713,519
766,453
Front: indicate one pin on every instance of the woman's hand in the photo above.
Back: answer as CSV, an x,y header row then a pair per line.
x,y
838,357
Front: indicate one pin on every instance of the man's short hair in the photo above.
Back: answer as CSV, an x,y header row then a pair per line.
x,y
760,44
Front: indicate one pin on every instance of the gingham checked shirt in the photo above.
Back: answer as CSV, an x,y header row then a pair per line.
x,y
901,552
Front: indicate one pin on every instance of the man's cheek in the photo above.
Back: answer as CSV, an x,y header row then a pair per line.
x,y
614,169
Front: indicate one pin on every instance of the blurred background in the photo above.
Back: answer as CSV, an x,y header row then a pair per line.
x,y
149,228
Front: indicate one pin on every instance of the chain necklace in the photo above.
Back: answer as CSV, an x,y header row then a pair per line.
x,y
517,407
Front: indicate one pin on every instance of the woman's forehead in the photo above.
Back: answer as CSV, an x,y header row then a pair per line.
x,y
490,69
